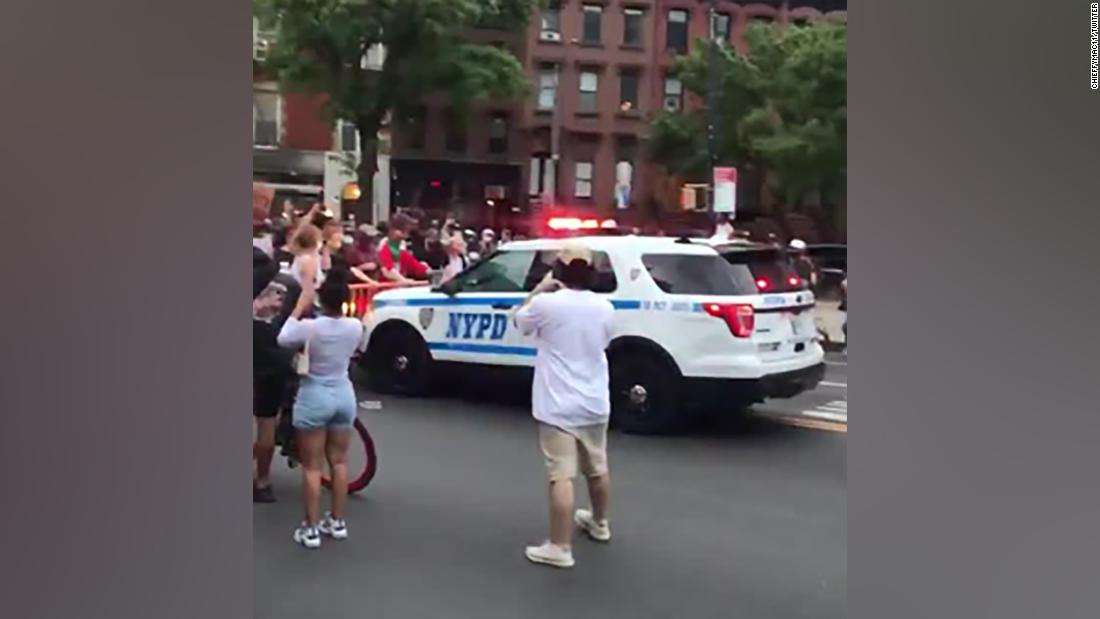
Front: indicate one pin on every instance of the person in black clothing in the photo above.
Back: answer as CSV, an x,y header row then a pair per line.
x,y
803,265
273,297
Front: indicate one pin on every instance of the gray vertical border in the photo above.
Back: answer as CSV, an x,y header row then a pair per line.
x,y
972,190
126,384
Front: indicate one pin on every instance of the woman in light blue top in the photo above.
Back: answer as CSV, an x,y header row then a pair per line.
x,y
325,407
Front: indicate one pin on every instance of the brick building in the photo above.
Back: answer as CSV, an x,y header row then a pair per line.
x,y
300,153
599,70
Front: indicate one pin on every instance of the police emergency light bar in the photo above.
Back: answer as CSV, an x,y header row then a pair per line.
x,y
576,223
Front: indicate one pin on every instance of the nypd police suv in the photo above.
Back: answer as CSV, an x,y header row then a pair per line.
x,y
724,325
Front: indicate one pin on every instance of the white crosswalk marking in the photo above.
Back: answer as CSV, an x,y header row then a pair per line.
x,y
837,410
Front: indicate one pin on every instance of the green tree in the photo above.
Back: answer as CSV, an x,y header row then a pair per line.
x,y
319,48
781,108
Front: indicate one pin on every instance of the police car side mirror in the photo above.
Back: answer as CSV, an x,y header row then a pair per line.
x,y
449,288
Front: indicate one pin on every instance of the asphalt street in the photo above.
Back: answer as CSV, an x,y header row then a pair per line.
x,y
736,518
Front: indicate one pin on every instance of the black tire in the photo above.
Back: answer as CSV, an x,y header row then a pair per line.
x,y
644,393
398,362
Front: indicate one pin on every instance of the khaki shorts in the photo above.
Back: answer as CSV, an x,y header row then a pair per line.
x,y
567,450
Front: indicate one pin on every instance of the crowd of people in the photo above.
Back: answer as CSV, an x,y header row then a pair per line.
x,y
407,250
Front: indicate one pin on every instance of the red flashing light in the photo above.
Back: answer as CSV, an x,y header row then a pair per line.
x,y
763,284
740,318
794,280
576,223
436,184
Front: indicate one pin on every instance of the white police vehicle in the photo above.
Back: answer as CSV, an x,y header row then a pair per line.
x,y
696,323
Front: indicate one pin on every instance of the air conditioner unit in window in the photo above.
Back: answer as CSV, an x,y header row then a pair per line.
x,y
550,35
259,50
672,104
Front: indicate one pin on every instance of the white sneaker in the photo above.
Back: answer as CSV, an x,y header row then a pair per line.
x,y
597,530
550,554
307,536
336,529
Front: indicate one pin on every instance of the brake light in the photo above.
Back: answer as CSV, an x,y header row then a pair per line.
x,y
794,280
740,318
763,284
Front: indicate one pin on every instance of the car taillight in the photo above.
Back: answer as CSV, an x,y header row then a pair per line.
x,y
741,319
763,284
794,280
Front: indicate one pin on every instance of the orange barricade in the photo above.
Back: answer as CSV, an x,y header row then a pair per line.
x,y
362,294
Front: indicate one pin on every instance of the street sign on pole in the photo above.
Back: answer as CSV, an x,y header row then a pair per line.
x,y
725,190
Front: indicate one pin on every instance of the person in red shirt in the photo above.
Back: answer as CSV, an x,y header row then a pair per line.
x,y
394,258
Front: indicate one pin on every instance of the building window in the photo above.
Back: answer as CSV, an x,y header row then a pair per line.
x,y
583,186
347,136
542,176
593,18
413,126
551,18
677,33
674,94
266,116
720,27
632,27
456,132
498,133
762,19
589,86
548,87
628,89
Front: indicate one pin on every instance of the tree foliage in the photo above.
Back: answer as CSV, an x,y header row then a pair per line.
x,y
319,48
782,107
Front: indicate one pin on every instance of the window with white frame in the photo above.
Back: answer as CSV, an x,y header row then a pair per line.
x,y
592,24
676,33
633,19
551,17
583,184
589,85
266,116
548,87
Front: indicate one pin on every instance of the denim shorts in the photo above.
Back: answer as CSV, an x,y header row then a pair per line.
x,y
324,403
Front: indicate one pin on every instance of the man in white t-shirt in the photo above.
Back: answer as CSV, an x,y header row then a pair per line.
x,y
570,400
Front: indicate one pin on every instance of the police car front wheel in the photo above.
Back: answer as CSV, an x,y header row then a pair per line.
x,y
398,363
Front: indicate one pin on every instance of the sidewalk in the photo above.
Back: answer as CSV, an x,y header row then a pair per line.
x,y
830,322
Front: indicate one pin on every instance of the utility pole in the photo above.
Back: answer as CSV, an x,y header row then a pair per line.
x,y
713,84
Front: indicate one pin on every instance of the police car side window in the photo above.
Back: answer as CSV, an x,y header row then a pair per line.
x,y
605,281
501,272
696,274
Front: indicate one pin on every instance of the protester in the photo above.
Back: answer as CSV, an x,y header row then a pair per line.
x,y
488,242
723,229
456,258
803,265
325,406
271,366
394,258
306,267
506,236
572,327
435,254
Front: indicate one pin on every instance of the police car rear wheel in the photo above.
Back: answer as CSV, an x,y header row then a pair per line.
x,y
642,394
